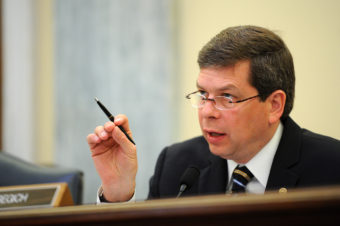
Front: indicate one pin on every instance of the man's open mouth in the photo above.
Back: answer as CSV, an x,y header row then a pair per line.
x,y
214,134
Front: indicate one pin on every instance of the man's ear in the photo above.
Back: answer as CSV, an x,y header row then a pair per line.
x,y
277,101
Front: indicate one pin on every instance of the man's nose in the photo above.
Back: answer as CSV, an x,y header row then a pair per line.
x,y
209,109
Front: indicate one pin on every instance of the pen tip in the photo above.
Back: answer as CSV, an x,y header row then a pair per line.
x,y
96,99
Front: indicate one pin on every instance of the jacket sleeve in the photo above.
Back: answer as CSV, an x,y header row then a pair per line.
x,y
154,191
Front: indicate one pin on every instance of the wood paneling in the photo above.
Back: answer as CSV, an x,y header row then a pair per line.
x,y
1,70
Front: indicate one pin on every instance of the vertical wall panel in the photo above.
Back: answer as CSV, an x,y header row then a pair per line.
x,y
18,78
120,52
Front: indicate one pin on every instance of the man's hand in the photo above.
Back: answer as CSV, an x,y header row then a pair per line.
x,y
115,159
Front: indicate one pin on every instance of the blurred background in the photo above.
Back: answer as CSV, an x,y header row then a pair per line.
x,y
139,58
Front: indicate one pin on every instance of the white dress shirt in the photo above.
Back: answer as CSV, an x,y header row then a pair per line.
x,y
259,165
100,192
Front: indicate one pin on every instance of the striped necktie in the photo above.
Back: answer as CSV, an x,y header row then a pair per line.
x,y
240,178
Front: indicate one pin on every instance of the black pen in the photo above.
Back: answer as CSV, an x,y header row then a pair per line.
x,y
112,119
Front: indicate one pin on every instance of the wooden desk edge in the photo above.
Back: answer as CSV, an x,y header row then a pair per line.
x,y
306,199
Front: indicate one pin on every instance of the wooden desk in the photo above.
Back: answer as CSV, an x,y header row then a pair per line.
x,y
301,207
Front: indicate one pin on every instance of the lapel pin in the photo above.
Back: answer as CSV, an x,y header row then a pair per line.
x,y
283,190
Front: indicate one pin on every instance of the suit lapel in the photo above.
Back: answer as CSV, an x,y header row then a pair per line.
x,y
287,154
213,177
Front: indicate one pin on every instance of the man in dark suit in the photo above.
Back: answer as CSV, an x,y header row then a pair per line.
x,y
245,93
303,159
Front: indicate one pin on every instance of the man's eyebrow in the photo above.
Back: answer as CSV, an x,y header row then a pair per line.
x,y
223,88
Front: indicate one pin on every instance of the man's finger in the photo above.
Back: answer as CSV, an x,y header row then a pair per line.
x,y
92,140
122,140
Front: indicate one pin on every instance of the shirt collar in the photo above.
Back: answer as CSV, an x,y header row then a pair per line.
x,y
261,163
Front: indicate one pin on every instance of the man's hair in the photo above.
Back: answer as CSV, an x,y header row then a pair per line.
x,y
271,64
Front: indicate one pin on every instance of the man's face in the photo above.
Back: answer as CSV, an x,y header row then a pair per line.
x,y
240,132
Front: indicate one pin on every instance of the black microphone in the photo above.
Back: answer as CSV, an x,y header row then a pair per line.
x,y
188,178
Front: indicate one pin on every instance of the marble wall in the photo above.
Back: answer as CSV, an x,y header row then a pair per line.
x,y
122,53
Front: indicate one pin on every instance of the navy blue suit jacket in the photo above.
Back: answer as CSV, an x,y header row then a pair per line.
x,y
303,159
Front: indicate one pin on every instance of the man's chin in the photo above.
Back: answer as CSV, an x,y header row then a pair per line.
x,y
218,151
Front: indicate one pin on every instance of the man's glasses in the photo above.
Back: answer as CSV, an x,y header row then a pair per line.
x,y
198,100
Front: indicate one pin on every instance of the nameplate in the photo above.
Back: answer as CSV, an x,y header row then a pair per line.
x,y
35,196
